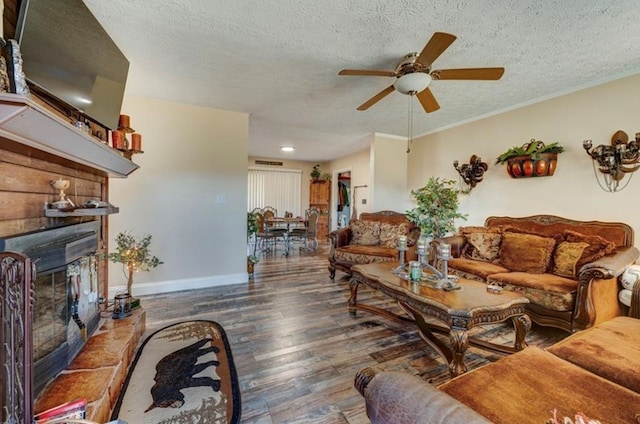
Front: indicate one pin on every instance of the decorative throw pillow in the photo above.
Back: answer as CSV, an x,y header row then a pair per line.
x,y
598,246
526,252
486,246
389,233
566,257
366,233
482,243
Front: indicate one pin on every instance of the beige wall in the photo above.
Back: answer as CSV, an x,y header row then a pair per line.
x,y
190,194
389,172
594,113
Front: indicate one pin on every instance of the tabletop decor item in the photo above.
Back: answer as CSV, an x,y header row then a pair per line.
x,y
533,159
134,255
400,270
61,185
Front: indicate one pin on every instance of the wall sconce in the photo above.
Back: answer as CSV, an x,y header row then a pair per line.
x,y
616,162
471,173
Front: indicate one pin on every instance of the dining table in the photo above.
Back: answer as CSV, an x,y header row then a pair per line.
x,y
287,222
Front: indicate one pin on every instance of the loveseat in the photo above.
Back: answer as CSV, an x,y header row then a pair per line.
x,y
567,269
371,238
593,372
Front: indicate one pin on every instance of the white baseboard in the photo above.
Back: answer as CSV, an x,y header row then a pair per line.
x,y
159,287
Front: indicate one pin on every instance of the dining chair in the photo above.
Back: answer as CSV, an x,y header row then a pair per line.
x,y
279,232
265,240
307,235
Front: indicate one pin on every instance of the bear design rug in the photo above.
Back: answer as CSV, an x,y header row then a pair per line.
x,y
183,373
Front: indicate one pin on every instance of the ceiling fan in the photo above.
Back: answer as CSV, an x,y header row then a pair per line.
x,y
413,74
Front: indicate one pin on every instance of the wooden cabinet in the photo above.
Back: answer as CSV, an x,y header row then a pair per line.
x,y
319,198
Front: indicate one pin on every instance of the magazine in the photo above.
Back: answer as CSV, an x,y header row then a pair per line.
x,y
75,409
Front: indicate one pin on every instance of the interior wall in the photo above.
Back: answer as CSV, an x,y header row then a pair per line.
x,y
595,113
360,165
389,174
190,194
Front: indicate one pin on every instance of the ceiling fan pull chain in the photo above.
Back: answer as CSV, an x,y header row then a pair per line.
x,y
410,123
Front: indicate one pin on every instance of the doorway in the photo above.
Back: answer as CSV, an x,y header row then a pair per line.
x,y
343,199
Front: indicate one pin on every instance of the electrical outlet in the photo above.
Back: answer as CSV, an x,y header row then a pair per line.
x,y
364,201
221,199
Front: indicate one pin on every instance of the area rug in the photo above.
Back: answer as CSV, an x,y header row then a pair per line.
x,y
183,373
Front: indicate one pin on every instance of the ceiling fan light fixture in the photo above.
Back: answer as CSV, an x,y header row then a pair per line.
x,y
412,83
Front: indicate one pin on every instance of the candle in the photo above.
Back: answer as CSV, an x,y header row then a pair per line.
x,y
136,142
117,140
402,243
445,251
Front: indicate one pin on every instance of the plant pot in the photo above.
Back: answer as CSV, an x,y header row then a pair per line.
x,y
527,166
250,267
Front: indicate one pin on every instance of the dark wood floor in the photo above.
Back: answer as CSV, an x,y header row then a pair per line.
x,y
297,349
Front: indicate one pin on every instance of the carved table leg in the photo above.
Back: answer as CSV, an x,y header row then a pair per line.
x,y
353,299
522,325
459,343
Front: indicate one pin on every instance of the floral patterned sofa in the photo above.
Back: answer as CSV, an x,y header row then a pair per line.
x,y
371,238
567,269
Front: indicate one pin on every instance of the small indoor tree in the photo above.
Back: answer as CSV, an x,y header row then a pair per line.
x,y
134,255
437,208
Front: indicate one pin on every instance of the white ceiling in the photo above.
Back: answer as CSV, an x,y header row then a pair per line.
x,y
278,60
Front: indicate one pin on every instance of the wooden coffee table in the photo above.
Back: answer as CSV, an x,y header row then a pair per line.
x,y
459,310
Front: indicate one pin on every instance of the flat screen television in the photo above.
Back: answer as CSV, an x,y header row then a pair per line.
x,y
68,55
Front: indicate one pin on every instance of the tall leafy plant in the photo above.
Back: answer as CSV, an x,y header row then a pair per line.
x,y
437,208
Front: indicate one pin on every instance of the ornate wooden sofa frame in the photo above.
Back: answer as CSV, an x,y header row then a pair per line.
x,y
596,289
343,254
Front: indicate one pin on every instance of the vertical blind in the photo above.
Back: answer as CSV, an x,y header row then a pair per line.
x,y
279,188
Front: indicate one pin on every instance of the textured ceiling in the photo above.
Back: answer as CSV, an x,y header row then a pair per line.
x,y
278,60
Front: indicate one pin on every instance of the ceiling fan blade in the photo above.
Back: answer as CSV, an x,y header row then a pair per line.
x,y
375,99
438,43
468,74
367,72
428,101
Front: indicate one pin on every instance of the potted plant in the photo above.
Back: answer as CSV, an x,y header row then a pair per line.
x,y
134,255
437,208
533,159
252,230
315,173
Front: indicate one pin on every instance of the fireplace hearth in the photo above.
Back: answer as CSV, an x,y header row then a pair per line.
x,y
66,308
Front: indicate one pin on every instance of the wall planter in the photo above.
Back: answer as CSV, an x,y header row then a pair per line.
x,y
532,159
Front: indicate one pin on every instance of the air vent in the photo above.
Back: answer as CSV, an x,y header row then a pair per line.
x,y
268,162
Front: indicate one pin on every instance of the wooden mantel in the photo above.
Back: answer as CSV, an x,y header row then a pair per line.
x,y
25,121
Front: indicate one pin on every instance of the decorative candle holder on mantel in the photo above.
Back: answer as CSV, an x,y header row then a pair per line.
x,y
120,141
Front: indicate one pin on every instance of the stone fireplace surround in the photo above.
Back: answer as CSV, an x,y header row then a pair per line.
x,y
99,369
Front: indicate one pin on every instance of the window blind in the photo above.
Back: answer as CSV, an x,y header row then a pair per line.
x,y
279,188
